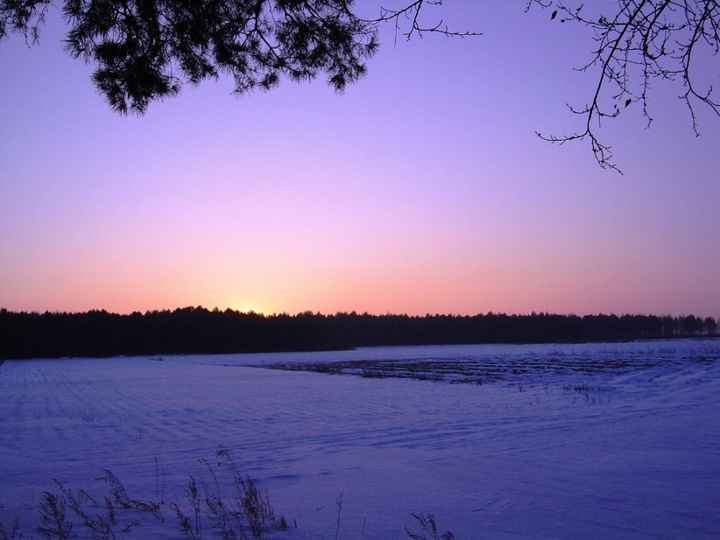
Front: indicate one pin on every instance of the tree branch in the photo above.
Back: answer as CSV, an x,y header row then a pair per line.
x,y
645,40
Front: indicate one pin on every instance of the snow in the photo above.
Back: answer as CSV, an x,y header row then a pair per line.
x,y
541,441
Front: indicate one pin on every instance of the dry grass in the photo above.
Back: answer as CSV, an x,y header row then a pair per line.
x,y
243,512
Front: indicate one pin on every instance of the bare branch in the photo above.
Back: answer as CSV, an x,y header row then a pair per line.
x,y
146,50
411,12
642,41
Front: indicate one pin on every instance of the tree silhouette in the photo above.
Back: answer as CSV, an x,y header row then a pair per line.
x,y
639,42
711,326
196,330
146,50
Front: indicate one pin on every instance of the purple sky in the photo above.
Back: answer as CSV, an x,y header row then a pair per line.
x,y
421,189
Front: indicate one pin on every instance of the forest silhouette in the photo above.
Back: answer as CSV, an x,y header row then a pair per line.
x,y
197,330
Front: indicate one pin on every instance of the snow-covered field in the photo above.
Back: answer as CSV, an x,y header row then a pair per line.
x,y
538,441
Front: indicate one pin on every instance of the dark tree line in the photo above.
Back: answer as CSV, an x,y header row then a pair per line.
x,y
200,331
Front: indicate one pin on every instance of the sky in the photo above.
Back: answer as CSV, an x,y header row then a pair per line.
x,y
421,189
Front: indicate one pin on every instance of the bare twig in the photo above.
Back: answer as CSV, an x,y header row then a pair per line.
x,y
642,41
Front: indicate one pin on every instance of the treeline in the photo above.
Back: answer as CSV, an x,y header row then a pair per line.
x,y
196,330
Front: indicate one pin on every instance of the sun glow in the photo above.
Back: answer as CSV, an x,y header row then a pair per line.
x,y
247,307
299,200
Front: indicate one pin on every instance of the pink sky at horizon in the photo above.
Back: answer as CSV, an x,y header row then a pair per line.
x,y
422,189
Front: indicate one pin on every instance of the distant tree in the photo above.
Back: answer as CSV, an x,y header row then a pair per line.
x,y
711,326
692,325
196,330
147,49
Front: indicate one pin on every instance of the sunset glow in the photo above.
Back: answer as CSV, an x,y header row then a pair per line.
x,y
422,189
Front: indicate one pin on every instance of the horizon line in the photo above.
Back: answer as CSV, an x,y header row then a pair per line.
x,y
353,312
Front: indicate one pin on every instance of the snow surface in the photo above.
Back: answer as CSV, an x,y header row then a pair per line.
x,y
542,441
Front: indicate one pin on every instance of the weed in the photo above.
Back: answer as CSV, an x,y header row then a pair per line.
x,y
281,524
244,514
185,523
427,523
256,506
246,507
219,514
338,507
190,526
582,389
117,490
160,496
248,500
100,526
52,517
120,497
